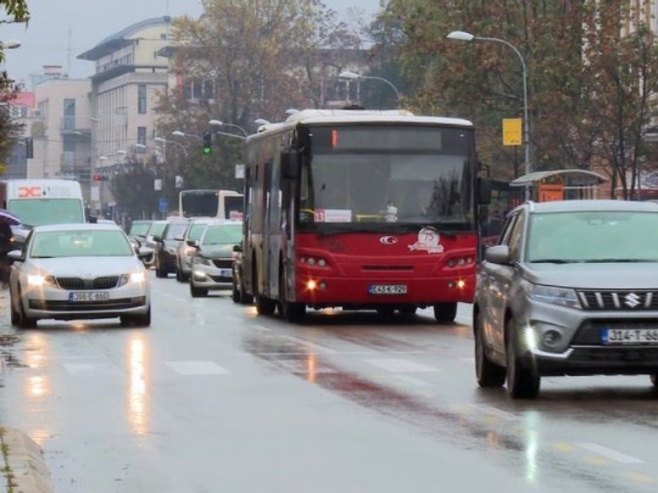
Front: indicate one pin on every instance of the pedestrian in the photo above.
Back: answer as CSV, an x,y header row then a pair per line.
x,y
6,244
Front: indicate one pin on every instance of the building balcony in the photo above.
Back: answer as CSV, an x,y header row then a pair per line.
x,y
68,126
74,161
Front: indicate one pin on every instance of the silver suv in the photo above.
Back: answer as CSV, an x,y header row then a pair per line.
x,y
570,288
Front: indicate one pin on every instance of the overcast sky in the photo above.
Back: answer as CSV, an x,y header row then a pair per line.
x,y
59,30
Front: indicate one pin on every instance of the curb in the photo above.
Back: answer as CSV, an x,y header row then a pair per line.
x,y
24,469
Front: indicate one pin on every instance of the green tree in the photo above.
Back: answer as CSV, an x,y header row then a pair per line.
x,y
591,78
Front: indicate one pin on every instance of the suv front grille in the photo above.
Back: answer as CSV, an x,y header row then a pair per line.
x,y
626,300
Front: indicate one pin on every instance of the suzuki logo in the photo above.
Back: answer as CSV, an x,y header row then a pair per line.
x,y
632,300
388,240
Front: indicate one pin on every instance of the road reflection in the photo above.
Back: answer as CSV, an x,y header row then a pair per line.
x,y
138,380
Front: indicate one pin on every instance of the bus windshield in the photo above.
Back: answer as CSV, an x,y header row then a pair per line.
x,y
35,212
201,203
406,175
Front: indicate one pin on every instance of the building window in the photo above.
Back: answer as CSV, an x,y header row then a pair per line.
x,y
141,139
69,114
141,99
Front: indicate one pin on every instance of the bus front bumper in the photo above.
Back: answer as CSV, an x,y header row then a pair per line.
x,y
359,292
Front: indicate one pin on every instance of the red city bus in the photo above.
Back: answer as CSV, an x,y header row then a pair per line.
x,y
361,210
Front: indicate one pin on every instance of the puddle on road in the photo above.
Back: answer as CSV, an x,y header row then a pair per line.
x,y
512,443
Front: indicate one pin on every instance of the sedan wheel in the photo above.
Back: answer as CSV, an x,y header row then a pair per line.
x,y
522,380
654,379
488,373
24,322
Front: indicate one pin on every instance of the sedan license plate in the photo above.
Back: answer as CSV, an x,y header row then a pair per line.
x,y
630,336
225,273
387,289
89,296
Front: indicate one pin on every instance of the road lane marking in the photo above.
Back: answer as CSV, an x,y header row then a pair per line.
x,y
639,477
193,368
260,327
310,345
90,369
413,381
399,365
565,447
609,453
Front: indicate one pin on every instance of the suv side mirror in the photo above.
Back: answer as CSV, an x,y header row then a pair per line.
x,y
157,239
498,254
290,165
237,248
484,191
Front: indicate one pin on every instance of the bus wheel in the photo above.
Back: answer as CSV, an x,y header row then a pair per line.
x,y
264,306
445,313
290,312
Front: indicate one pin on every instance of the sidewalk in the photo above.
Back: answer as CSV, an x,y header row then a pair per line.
x,y
22,465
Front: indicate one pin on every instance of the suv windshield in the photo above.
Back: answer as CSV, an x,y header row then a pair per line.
x,y
600,236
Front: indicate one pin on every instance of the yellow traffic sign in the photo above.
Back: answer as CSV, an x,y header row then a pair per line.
x,y
512,133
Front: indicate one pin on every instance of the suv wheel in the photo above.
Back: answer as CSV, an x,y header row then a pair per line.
x,y
488,373
522,380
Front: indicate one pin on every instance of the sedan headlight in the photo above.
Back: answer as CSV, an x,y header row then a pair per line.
x,y
38,280
202,261
554,296
134,278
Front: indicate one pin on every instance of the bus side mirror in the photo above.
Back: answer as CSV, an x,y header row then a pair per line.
x,y
484,191
290,165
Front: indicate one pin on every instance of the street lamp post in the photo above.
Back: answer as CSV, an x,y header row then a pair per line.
x,y
347,75
464,36
219,123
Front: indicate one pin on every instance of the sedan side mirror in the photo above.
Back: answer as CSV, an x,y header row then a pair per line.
x,y
237,248
179,238
16,255
193,243
157,239
498,254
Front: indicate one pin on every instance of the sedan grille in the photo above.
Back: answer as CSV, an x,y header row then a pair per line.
x,y
619,300
223,263
107,282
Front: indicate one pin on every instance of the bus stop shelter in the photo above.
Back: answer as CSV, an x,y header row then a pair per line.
x,y
561,184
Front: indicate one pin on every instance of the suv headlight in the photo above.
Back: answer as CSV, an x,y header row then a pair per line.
x,y
554,296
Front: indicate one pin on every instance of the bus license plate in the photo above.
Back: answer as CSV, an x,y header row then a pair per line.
x,y
630,336
387,289
89,296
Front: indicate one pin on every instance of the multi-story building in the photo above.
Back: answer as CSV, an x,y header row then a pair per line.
x,y
61,130
125,87
21,110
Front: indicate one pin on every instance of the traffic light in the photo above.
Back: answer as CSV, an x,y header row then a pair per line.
x,y
207,143
99,178
29,148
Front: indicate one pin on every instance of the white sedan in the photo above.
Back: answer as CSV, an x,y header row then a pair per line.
x,y
78,271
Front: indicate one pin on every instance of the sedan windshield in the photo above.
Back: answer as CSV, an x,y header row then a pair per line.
x,y
600,236
139,228
80,243
223,234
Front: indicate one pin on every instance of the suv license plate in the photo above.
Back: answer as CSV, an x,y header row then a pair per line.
x,y
630,336
387,289
89,296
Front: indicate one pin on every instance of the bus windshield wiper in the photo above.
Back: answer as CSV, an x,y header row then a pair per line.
x,y
617,260
554,261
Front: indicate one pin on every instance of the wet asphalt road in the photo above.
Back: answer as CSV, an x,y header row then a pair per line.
x,y
212,398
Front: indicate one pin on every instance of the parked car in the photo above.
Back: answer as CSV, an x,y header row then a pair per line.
x,y
185,252
78,271
166,246
213,262
571,288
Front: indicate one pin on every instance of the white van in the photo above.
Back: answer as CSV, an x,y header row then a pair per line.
x,y
45,201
